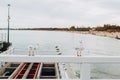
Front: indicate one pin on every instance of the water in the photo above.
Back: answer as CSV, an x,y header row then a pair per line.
x,y
45,42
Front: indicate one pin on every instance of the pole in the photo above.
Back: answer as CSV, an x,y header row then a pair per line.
x,y
85,71
8,22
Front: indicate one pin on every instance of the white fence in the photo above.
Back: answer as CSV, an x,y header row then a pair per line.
x,y
2,37
85,61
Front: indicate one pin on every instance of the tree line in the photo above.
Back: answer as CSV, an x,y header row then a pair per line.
x,y
109,28
105,27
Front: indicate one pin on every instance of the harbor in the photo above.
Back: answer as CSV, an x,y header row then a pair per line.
x,y
59,40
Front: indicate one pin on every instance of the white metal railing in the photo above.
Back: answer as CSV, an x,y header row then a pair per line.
x,y
85,61
8,52
2,37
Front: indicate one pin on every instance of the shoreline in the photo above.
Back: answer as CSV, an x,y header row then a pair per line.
x,y
115,35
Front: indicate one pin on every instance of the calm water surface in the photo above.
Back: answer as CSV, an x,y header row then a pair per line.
x,y
67,42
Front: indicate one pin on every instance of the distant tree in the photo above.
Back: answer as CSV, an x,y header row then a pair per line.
x,y
83,29
108,27
72,28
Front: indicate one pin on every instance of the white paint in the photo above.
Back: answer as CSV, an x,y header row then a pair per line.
x,y
60,58
84,60
66,75
85,72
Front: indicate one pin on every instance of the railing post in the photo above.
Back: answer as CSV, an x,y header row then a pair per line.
x,y
85,72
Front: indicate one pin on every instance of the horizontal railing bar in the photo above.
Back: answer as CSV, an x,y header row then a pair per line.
x,y
60,58
59,79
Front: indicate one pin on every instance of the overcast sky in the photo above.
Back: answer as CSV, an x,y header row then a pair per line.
x,y
60,13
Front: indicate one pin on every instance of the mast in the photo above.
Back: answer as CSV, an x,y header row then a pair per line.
x,y
8,22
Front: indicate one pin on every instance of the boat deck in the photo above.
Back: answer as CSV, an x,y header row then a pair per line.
x,y
30,71
85,62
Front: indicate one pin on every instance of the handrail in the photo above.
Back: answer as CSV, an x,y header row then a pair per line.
x,y
60,58
85,61
8,52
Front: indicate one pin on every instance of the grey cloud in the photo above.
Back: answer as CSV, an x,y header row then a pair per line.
x,y
61,12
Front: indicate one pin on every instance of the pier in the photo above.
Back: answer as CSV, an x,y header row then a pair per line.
x,y
50,66
85,61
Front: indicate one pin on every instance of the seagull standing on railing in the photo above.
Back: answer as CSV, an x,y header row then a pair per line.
x,y
58,50
80,49
30,50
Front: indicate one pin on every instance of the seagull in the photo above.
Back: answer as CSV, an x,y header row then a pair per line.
x,y
56,46
59,53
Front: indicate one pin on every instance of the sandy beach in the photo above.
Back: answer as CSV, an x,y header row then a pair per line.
x,y
106,34
100,33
